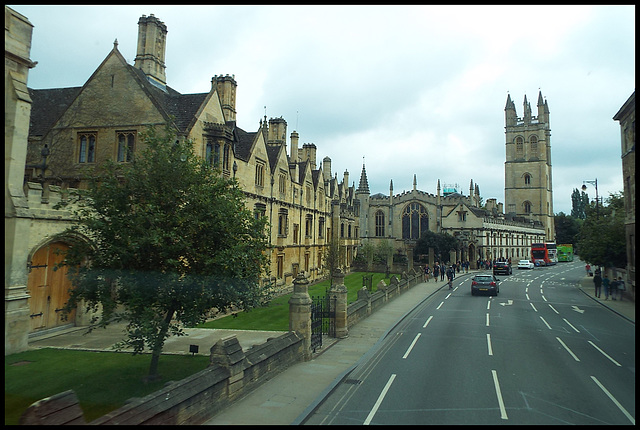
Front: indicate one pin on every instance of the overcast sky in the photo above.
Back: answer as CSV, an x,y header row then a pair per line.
x,y
412,89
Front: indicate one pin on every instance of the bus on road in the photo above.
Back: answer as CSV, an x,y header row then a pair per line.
x,y
565,252
544,254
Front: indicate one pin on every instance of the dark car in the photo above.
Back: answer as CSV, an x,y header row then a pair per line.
x,y
483,283
502,268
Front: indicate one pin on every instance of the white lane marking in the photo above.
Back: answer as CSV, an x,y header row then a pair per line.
x,y
526,290
613,399
425,324
487,320
568,350
565,320
455,289
503,411
541,292
489,344
545,323
544,298
577,309
379,401
554,309
534,308
415,339
447,296
489,305
527,296
605,354
440,305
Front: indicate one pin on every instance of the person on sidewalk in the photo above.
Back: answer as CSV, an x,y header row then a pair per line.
x,y
605,286
597,281
427,271
619,288
436,271
442,270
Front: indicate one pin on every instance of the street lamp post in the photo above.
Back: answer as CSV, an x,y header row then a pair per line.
x,y
584,188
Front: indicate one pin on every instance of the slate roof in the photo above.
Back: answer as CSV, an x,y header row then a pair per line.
x,y
243,142
47,106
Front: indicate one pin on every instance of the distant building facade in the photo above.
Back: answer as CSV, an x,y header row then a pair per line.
x,y
627,118
484,233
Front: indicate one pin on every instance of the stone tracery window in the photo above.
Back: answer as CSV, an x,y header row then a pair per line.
x,y
415,221
379,219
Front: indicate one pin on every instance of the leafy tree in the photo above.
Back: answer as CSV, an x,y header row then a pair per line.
x,y
602,238
169,239
441,243
579,202
567,228
383,251
333,257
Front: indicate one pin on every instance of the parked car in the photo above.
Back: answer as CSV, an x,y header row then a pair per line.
x,y
484,283
525,264
502,268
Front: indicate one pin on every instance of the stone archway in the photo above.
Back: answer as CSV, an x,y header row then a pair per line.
x,y
48,288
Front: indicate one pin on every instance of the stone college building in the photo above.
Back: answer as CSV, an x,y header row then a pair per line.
x,y
53,136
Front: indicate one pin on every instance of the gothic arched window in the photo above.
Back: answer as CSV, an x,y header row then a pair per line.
x,y
519,146
527,207
415,221
527,179
379,224
534,146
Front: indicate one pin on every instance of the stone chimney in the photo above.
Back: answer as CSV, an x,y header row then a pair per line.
x,y
309,153
226,87
326,168
293,155
152,38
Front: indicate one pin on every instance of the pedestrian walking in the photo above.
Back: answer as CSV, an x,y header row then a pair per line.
x,y
619,288
588,269
605,286
597,281
442,269
436,272
427,271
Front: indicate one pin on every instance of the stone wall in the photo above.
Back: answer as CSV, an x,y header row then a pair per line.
x,y
368,303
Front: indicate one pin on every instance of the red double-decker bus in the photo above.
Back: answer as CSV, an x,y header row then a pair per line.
x,y
544,254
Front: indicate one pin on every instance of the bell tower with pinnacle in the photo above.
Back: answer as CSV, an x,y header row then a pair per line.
x,y
528,190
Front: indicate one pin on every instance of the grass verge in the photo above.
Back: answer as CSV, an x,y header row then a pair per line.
x,y
103,381
275,316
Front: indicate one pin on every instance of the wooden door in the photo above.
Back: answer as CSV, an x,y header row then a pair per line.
x,y
48,288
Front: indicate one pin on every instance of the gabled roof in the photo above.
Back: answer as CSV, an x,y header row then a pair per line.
x,y
49,104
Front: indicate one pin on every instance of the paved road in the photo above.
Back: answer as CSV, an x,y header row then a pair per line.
x,y
542,352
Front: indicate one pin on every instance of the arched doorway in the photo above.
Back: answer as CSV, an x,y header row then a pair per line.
x,y
48,289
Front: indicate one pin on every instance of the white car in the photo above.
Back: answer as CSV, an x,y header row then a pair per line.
x,y
525,264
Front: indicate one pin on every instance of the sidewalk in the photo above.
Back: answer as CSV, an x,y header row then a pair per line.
x,y
625,308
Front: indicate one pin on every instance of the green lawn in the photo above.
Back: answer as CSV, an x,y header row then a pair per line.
x,y
275,316
103,381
